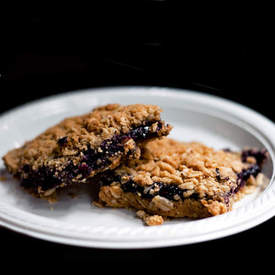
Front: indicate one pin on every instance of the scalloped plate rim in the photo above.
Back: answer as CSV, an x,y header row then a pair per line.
x,y
6,219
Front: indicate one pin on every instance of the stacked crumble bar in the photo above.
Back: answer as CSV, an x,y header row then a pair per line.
x,y
124,148
78,148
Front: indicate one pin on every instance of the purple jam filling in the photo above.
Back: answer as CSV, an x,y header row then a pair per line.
x,y
242,177
259,155
48,178
132,187
62,141
169,191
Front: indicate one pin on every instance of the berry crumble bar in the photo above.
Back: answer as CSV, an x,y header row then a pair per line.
x,y
78,148
177,179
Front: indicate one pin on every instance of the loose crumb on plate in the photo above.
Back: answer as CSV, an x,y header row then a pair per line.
x,y
150,219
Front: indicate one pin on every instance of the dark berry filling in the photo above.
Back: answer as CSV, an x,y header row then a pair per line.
x,y
169,191
62,141
259,155
172,191
218,174
242,177
47,178
43,176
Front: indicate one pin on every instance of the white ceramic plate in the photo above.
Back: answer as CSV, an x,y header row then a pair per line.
x,y
216,122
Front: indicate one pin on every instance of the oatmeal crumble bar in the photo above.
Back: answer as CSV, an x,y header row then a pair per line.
x,y
176,179
80,147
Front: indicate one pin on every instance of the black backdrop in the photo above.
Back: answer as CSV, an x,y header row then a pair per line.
x,y
225,52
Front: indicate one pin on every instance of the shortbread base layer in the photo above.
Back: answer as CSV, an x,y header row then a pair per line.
x,y
113,196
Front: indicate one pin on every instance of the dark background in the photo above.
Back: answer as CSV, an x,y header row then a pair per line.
x,y
225,51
